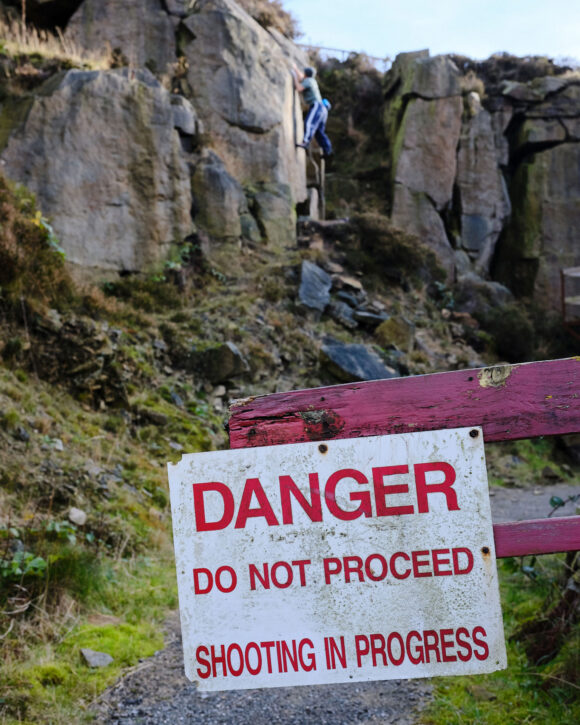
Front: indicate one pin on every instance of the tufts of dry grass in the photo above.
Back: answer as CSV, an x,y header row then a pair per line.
x,y
17,39
271,14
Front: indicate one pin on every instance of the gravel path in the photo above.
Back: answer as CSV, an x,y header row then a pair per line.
x,y
156,691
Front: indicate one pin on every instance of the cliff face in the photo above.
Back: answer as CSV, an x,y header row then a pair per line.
x,y
194,138
196,135
487,173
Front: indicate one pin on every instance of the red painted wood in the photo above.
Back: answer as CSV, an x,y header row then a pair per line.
x,y
509,402
543,536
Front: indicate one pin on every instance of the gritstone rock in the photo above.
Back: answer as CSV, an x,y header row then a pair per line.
x,y
353,362
370,319
398,332
221,363
145,36
96,659
315,286
342,313
100,151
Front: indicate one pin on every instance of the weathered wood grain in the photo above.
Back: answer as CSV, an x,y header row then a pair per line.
x,y
508,401
542,536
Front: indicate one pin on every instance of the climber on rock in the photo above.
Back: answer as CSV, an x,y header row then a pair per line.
x,y
317,115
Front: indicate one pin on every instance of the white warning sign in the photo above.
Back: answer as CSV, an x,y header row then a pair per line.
x,y
348,560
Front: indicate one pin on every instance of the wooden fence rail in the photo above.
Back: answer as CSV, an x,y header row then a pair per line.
x,y
508,401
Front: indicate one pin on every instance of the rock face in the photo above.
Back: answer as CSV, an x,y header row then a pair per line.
x,y
241,87
125,169
144,38
101,152
425,94
542,237
452,153
483,200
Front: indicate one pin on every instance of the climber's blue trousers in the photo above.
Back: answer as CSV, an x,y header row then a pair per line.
x,y
315,125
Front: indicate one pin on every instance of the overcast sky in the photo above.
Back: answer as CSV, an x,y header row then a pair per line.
x,y
476,28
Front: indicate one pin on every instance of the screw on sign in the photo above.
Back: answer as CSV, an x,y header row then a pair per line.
x,y
350,560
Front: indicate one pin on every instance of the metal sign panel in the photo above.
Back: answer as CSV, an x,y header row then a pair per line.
x,y
348,560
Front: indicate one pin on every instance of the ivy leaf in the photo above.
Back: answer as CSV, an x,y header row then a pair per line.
x,y
556,502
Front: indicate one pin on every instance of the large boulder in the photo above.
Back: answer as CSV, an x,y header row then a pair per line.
x,y
220,204
542,236
315,285
350,362
141,31
101,152
241,86
422,119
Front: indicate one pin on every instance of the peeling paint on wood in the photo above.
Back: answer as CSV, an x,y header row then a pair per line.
x,y
508,402
494,377
515,401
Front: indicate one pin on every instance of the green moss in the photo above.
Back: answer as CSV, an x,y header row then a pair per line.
x,y
13,112
524,692
57,681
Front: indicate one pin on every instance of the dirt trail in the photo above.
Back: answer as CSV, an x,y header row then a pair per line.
x,y
156,691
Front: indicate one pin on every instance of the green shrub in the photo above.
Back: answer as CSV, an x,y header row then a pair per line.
x,y
513,333
31,259
149,295
271,14
382,247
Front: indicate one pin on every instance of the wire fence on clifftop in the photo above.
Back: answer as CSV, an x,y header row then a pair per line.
x,y
382,64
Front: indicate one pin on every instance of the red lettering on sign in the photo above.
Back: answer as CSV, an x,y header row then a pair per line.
x,y
381,491
378,648
364,497
313,508
254,487
419,564
438,562
463,644
484,654
394,571
396,636
416,656
201,522
430,646
362,647
468,567
353,565
424,489
447,644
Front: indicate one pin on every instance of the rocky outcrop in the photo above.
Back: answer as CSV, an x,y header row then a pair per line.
x,y
482,200
125,169
139,32
423,117
240,84
541,237
451,157
103,155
